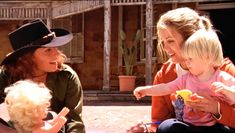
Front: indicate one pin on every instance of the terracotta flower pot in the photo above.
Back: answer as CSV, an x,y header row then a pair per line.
x,y
126,83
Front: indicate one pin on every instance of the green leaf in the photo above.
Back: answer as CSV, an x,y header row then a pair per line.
x,y
129,51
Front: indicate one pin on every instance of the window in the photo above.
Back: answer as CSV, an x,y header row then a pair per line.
x,y
75,49
143,44
158,54
142,52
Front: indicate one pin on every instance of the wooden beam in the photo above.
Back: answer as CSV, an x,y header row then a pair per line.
x,y
207,6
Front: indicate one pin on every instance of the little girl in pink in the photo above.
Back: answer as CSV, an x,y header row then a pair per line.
x,y
203,55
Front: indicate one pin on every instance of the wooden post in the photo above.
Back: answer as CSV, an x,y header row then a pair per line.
x,y
49,16
149,42
107,45
120,27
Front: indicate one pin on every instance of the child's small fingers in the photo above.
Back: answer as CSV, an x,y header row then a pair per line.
x,y
135,93
62,120
218,90
138,97
64,112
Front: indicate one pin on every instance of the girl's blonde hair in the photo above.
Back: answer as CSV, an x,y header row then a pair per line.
x,y
204,44
26,101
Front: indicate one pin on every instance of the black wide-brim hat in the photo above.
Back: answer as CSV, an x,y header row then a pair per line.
x,y
34,35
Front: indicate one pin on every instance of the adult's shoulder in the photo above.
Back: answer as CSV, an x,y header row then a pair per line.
x,y
166,73
64,73
3,84
168,66
3,75
226,62
67,69
228,66
2,71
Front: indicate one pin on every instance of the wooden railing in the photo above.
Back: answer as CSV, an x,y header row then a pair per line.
x,y
22,13
10,10
18,10
75,7
127,2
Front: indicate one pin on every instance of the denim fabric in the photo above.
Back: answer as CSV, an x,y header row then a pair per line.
x,y
175,126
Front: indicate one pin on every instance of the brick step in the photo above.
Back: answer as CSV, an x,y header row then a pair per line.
x,y
112,96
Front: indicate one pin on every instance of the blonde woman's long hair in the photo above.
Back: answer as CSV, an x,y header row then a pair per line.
x,y
185,20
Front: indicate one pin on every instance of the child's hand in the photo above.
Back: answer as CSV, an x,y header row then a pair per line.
x,y
228,93
53,126
194,99
138,128
139,92
49,128
62,113
217,86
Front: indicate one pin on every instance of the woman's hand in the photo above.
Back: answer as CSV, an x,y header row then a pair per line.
x,y
205,103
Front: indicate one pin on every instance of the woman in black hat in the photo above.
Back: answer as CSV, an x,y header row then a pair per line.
x,y
36,57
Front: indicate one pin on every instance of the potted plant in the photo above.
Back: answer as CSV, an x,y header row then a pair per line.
x,y
129,52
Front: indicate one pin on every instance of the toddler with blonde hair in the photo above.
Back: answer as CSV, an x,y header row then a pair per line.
x,y
203,55
28,105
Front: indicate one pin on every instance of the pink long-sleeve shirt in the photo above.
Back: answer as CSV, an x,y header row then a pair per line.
x,y
191,82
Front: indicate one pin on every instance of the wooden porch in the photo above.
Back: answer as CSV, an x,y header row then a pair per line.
x,y
55,9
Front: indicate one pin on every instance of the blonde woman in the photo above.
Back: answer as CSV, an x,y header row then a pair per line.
x,y
173,28
203,56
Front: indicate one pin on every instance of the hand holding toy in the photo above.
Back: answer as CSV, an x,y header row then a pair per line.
x,y
186,95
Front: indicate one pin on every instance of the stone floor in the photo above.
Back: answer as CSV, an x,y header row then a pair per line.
x,y
112,112
114,117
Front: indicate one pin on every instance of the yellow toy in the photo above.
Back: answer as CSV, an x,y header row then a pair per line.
x,y
185,94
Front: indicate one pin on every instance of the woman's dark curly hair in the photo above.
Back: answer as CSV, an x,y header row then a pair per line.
x,y
24,67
